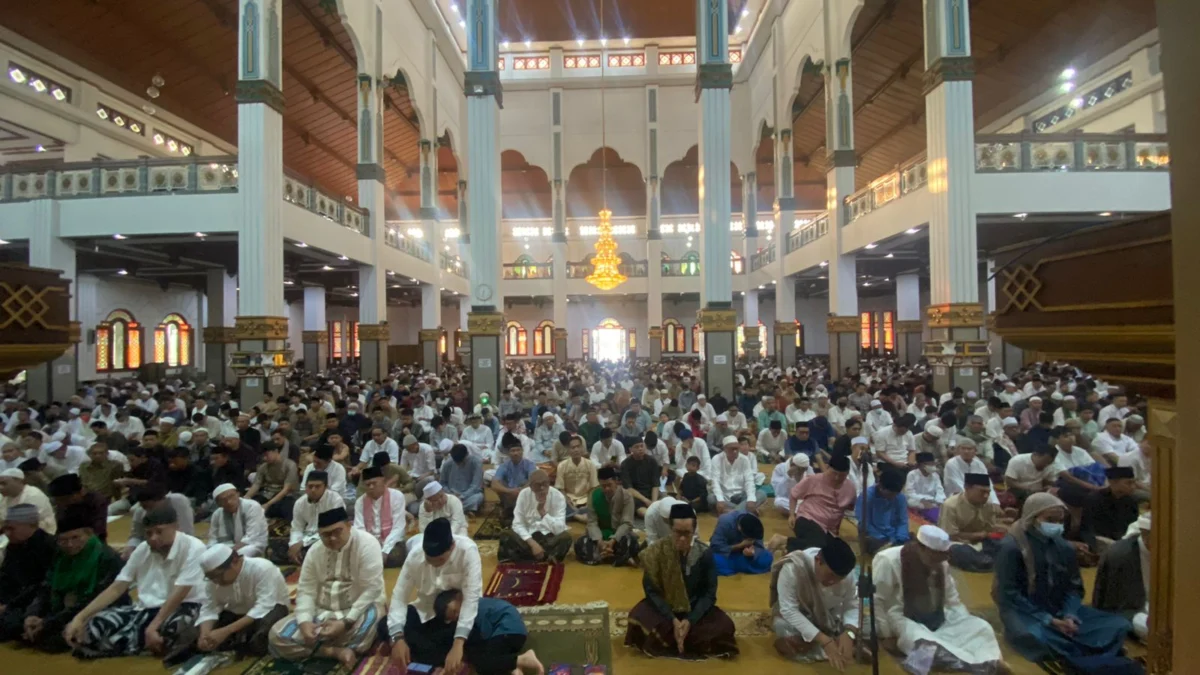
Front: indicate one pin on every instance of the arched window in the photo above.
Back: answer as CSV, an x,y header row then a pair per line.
x,y
689,265
118,342
741,339
173,341
736,262
335,339
799,338
674,340
695,338
354,344
543,339
442,344
523,266
515,340
587,342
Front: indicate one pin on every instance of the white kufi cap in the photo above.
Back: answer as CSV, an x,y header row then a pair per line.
x,y
934,537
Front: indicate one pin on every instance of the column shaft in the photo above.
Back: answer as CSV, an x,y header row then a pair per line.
x,y
220,337
315,337
908,318
431,326
559,270
56,379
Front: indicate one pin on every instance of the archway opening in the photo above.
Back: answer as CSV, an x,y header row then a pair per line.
x,y
610,342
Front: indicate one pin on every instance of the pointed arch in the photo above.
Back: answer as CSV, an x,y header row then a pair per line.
x,y
741,339
173,339
118,342
674,340
516,340
695,338
543,339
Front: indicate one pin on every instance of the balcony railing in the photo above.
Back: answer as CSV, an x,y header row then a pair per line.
x,y
909,176
300,192
762,258
634,270
687,267
111,178
808,233
410,245
1025,152
453,265
526,271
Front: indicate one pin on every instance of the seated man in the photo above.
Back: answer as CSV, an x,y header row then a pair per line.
x,y
14,490
1039,592
1123,580
886,519
394,476
318,498
246,597
539,527
815,604
923,488
438,503
658,520
732,480
919,607
420,461
443,562
817,505
339,600
1109,512
147,498
1030,472
640,476
30,550
974,525
679,616
737,545
494,645
276,483
165,570
68,490
82,567
322,460
462,477
576,478
786,475
513,475
239,523
380,513
610,524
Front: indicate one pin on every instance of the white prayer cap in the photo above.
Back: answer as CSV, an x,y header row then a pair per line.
x,y
222,489
860,440
445,444
73,411
13,473
722,418
167,420
431,488
1001,377
1056,396
933,429
233,405
801,460
729,440
60,436
701,396
52,446
934,537
1143,521
1068,397
971,394
76,439
215,556
185,437
1035,398
231,434
547,415
876,403
410,440
1010,422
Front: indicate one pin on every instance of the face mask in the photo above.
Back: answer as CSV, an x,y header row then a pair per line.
x,y
1051,530
352,413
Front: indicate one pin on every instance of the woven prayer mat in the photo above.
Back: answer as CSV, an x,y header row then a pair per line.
x,y
268,665
573,635
746,624
489,529
525,583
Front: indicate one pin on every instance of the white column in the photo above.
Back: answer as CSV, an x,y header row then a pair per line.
x,y
750,308
315,338
991,286
58,378
314,308
431,326
908,297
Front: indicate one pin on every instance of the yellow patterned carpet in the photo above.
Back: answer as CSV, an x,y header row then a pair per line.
x,y
744,597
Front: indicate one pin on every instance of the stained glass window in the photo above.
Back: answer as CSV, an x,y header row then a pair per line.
x,y
741,339
889,333
673,338
516,340
799,338
866,332
442,344
632,340
695,338
103,344
160,345
118,342
354,339
587,342
335,339
543,339
171,341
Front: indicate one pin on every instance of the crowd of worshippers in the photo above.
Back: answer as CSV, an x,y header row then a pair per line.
x,y
632,452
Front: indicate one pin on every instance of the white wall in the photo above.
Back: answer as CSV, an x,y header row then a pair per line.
x,y
404,322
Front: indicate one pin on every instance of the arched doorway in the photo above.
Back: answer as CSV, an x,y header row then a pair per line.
x,y
610,342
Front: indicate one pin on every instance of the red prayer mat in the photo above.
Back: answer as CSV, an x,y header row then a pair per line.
x,y
379,662
525,584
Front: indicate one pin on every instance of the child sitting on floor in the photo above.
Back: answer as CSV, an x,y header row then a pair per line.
x,y
694,486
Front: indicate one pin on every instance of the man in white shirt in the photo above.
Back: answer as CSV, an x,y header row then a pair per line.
x,y
1116,409
1139,461
318,498
707,413
238,523
1069,457
737,420
800,410
61,458
658,520
544,437
894,443
13,491
786,476
539,527
960,465
478,438
1112,443
323,461
732,480
923,488
165,571
380,512
693,447
802,576
608,451
443,562
245,598
839,413
876,419
379,443
1031,472
339,600
438,503
771,441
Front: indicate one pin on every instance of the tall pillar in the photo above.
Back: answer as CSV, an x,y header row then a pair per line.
x,y
558,190
956,349
373,331
54,380
316,331
484,98
654,306
908,318
714,78
753,338
431,326
261,327
785,220
750,243
220,337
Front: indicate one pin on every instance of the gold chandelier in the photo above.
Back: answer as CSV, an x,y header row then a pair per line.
x,y
606,273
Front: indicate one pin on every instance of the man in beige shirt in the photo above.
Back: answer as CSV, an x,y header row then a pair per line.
x,y
576,478
975,526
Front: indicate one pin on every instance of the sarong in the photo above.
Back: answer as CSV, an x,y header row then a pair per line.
x,y
654,634
121,631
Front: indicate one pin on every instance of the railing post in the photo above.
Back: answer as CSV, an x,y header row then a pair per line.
x,y
1130,144
1025,153
1079,149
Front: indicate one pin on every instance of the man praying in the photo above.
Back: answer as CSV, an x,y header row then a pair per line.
x,y
68,490
814,604
641,476
539,526
462,478
923,488
1123,580
26,559
438,503
817,505
974,524
1108,512
886,516
246,597
732,480
238,522
576,478
380,512
610,524
276,483
317,499
737,545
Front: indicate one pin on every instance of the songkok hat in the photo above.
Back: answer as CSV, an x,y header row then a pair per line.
x,y
606,473
923,457
750,526
164,514
65,485
510,441
215,556
438,538
22,513
1011,422
332,517
840,463
729,440
222,489
372,472
381,458
860,440
409,439
934,430
431,488
838,555
316,476
801,460
934,537
682,511
1118,472
980,479
75,517
13,473
891,479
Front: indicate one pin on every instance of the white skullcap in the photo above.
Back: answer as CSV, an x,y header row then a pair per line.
x,y
1035,398
934,537
1143,521
1056,396
722,418
971,394
547,414
1068,397
167,420
60,436
1010,422
729,440
860,440
73,411
215,556
701,396
13,473
876,403
445,444
801,460
431,488
52,446
76,439
233,405
231,434
222,489
934,430
1001,377
185,437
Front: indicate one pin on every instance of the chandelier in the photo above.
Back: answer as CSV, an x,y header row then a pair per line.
x,y
606,273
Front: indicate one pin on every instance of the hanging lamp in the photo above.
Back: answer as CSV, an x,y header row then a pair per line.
x,y
606,273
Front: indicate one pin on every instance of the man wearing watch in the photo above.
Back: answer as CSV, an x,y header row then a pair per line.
x,y
815,604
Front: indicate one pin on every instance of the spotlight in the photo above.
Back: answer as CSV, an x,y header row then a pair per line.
x,y
1066,87
1067,74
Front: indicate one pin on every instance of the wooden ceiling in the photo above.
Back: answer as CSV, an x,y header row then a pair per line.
x,y
568,20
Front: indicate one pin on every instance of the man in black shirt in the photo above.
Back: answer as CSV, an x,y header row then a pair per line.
x,y
640,475
1108,513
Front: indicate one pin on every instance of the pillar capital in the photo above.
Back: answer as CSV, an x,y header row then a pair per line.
x,y
786,328
429,335
958,353
485,323
224,335
949,69
653,332
261,327
955,315
374,332
717,320
314,337
908,326
843,324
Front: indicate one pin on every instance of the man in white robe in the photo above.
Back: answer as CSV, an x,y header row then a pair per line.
x,y
814,604
438,503
317,499
784,477
237,522
380,512
960,465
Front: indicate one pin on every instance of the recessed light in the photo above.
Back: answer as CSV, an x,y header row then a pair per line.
x,y
579,41
824,263
122,272
1067,74
40,148
326,268
454,8
462,24
890,255
528,44
201,235
504,44
603,42
1077,102
118,236
1022,216
738,29
870,246
1105,213
1066,87
301,244
342,257
866,283
912,230
288,282
626,42
17,75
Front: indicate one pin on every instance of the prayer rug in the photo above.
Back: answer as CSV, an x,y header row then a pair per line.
x,y
489,529
488,549
746,624
525,584
379,662
575,636
269,665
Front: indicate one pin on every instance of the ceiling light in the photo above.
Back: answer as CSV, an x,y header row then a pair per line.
x,y
912,230
102,113
626,42
326,268
390,273
3,242
821,277
824,263
1022,216
342,257
40,148
743,292
1067,74
870,246
762,286
1077,102
354,295
579,41
1066,87
38,85
122,272
746,11
118,236
58,94
201,235
528,44
135,127
504,45
866,283
603,42
1105,213
158,138
890,255
288,282
462,24
301,244
454,8
17,75
738,29
172,145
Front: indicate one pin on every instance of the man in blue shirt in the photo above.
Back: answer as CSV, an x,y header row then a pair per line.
x,y
462,477
800,442
737,545
888,520
513,475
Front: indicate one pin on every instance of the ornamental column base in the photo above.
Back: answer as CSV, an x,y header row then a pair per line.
x,y
373,340
786,351
486,328
718,327
844,346
655,336
956,350
429,338
220,342
262,360
908,342
316,350
560,345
